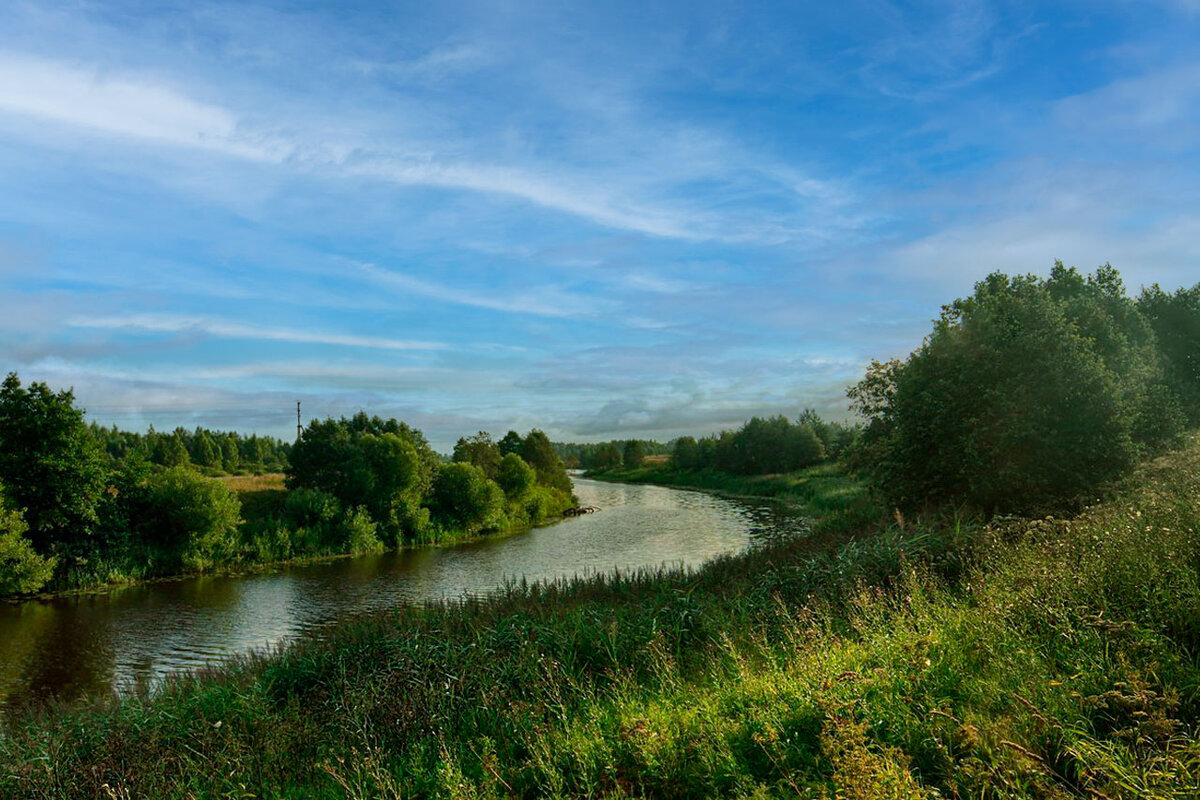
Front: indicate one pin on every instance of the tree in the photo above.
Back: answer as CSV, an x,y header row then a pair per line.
x,y
539,454
51,464
207,454
1025,396
633,453
511,443
607,456
1175,319
385,467
686,454
515,477
463,499
172,451
479,450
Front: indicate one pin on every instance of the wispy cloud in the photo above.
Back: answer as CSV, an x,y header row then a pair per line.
x,y
169,323
93,98
540,302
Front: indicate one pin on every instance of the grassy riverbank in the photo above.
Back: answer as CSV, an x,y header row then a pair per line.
x,y
821,489
1052,658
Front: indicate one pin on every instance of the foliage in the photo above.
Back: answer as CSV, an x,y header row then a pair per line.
x,y
361,533
924,657
385,467
481,451
686,453
1175,319
540,454
464,499
214,452
1026,395
50,464
634,453
188,521
22,570
511,443
514,476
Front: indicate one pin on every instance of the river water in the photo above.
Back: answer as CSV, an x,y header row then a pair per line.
x,y
103,643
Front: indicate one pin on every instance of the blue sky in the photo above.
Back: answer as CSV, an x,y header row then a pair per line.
x,y
607,220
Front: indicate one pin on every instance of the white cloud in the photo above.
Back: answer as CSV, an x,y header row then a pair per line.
x,y
170,323
93,98
546,302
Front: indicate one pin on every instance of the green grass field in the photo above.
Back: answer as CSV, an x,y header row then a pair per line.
x,y
1044,658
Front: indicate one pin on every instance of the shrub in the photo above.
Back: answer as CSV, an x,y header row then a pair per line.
x,y
188,521
361,534
463,499
515,477
22,570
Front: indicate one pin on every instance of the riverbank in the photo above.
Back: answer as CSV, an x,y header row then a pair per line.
x,y
262,498
1046,658
821,490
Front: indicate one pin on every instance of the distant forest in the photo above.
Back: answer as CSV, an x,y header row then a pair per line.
x,y
762,445
213,452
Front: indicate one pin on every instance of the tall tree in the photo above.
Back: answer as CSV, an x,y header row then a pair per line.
x,y
479,450
1025,396
539,453
51,464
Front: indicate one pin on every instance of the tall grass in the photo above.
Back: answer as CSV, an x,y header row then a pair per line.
x,y
931,658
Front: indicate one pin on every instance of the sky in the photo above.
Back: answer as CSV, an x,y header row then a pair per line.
x,y
604,220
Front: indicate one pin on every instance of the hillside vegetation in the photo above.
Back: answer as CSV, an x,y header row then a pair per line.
x,y
1041,658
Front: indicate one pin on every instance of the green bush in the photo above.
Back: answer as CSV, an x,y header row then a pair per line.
x,y
188,521
463,499
22,570
361,534
515,477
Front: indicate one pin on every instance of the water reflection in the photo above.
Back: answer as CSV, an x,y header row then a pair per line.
x,y
93,645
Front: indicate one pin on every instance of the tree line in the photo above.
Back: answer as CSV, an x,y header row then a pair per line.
x,y
761,445
766,445
213,452
379,483
611,454
83,505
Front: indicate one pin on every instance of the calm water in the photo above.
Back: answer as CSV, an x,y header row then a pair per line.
x,y
98,644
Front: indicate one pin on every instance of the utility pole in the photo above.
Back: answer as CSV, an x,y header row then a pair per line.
x,y
299,427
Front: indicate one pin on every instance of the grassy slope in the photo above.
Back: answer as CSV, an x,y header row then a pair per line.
x,y
1051,658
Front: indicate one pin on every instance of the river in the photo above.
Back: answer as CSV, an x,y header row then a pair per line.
x,y
98,644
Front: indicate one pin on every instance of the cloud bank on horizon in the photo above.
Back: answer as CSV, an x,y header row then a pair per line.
x,y
605,220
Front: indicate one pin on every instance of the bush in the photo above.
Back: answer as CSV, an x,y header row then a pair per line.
x,y
463,499
188,521
515,477
22,570
361,534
